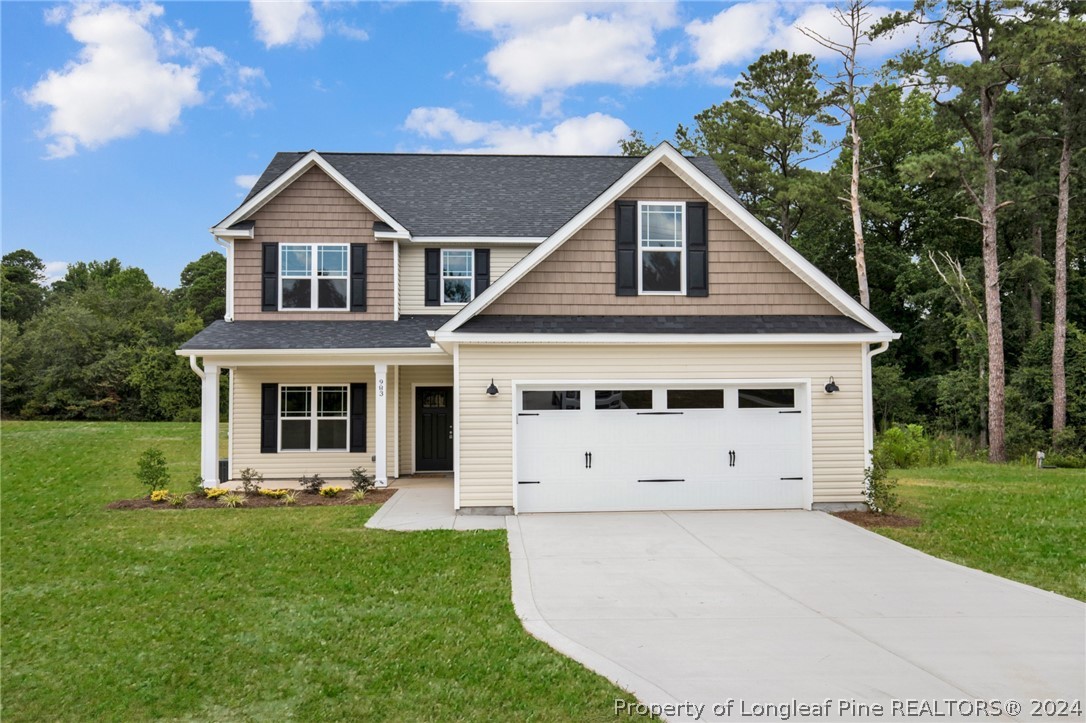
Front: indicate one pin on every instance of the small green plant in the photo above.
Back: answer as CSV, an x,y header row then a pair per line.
x,y
909,445
151,470
160,495
213,493
361,481
879,490
232,500
196,483
289,497
312,484
251,480
358,495
274,494
330,491
177,500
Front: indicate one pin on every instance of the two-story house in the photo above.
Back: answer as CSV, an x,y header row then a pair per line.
x,y
557,333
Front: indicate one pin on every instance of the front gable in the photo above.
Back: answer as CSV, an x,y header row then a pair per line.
x,y
578,278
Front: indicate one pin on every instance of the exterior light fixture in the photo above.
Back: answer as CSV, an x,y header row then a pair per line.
x,y
832,387
492,390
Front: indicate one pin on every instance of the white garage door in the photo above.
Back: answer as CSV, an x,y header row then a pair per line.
x,y
656,447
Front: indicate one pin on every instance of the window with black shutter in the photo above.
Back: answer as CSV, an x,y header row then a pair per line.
x,y
358,277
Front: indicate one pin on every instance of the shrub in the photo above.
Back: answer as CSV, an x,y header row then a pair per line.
x,y
274,494
250,480
312,485
232,500
160,495
289,497
197,483
908,445
151,470
330,491
360,481
358,495
879,489
177,500
213,493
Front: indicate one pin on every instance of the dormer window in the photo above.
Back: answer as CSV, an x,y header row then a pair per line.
x,y
313,276
661,248
457,276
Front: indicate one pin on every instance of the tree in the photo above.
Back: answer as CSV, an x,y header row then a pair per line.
x,y
854,17
203,286
21,290
970,93
634,144
762,138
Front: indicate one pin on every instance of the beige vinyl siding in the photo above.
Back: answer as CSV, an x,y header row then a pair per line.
x,y
413,274
486,423
579,277
435,376
313,209
291,465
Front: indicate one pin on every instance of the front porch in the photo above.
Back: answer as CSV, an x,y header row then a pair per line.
x,y
392,417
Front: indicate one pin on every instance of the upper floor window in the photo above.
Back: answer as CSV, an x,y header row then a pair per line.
x,y
457,276
661,248
313,276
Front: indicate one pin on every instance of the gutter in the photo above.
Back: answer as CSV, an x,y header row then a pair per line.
x,y
192,364
868,401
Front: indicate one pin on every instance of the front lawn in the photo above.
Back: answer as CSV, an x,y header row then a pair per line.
x,y
261,614
1017,522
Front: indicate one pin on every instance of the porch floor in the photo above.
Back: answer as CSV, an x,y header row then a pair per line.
x,y
426,503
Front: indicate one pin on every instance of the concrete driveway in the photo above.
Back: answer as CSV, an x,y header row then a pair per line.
x,y
784,609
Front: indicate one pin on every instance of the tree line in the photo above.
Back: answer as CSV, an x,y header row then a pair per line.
x,y
947,210
99,343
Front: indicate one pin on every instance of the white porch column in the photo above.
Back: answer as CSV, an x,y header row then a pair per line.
x,y
380,473
209,425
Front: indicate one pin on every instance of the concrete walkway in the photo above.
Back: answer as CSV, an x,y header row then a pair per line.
x,y
766,608
426,503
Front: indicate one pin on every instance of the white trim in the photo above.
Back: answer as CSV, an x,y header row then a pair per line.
x,y
601,338
309,160
414,421
665,153
229,246
396,422
380,431
230,426
661,249
209,424
456,427
395,281
479,240
322,357
229,234
808,491
867,354
391,236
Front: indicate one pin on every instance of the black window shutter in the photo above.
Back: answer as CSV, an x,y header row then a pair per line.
x,y
358,277
269,418
358,418
626,248
482,270
697,249
433,277
269,278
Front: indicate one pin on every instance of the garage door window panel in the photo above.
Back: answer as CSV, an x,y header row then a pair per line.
x,y
767,398
550,400
695,398
624,399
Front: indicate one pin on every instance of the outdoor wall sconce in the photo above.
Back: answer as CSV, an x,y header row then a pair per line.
x,y
832,387
492,390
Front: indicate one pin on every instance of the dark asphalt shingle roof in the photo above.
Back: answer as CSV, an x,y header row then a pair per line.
x,y
663,325
479,195
408,332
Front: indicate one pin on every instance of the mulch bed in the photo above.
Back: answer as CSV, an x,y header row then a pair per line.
x,y
865,518
373,497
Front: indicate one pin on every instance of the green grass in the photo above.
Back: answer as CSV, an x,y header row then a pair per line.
x,y
1017,522
262,614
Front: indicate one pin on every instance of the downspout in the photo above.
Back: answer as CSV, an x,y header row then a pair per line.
x,y
869,405
229,247
192,364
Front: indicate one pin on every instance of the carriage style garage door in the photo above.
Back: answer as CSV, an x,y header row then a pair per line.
x,y
662,447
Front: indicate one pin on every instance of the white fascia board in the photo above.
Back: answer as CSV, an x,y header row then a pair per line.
x,y
391,235
320,357
665,153
292,174
227,234
479,240
445,337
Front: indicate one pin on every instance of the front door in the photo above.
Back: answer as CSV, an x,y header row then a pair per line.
x,y
433,429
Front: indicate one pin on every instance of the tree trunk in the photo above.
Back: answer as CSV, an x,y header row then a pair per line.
x,y
857,223
1034,292
1059,328
997,451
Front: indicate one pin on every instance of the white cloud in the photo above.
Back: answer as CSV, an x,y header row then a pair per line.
x,y
349,31
286,22
246,181
118,87
54,271
121,82
745,30
545,48
596,133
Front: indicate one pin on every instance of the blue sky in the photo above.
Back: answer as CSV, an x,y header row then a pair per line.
x,y
128,130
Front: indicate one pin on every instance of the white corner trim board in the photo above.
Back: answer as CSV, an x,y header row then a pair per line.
x,y
666,154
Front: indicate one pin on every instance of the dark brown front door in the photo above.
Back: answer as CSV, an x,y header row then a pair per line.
x,y
433,429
